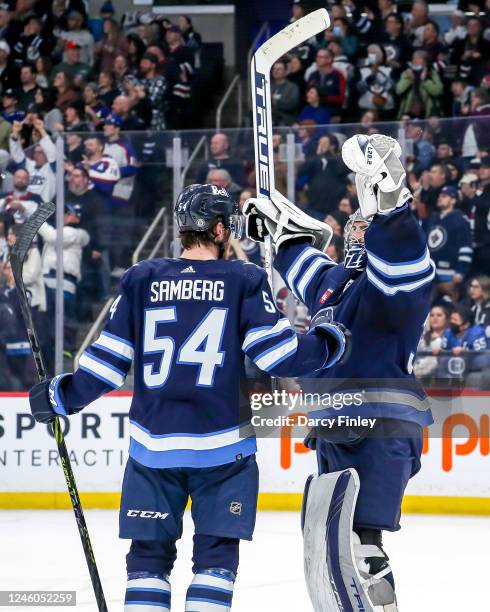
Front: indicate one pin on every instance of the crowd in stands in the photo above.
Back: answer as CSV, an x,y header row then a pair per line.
x,y
95,80
392,59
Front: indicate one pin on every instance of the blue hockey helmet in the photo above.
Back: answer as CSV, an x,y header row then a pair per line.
x,y
200,207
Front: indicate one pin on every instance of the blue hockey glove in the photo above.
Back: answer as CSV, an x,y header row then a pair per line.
x,y
337,336
45,399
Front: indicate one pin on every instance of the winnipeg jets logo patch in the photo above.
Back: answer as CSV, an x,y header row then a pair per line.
x,y
188,270
437,237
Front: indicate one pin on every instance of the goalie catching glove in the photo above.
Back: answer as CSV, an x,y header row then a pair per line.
x,y
379,173
283,221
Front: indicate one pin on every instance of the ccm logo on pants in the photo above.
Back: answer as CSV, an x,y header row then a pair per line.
x,y
147,514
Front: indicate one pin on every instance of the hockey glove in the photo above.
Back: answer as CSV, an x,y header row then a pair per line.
x,y
284,222
337,336
46,401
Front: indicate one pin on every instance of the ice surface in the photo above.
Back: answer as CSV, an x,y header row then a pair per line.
x,y
440,562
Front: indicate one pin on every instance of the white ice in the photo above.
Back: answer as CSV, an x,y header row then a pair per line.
x,y
440,563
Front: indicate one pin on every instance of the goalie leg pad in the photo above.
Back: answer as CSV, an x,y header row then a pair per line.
x,y
332,577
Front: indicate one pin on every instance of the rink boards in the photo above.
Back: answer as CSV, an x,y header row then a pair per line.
x,y
454,476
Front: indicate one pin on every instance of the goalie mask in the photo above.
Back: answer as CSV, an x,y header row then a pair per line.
x,y
354,247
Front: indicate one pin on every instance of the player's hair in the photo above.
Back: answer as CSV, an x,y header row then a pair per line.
x,y
196,239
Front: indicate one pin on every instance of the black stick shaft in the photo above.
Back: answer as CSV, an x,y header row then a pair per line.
x,y
19,252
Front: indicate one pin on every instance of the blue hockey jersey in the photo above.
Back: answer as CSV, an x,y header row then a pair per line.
x,y
186,325
474,339
449,238
384,307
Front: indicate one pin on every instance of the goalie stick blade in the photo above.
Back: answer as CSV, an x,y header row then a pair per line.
x,y
292,36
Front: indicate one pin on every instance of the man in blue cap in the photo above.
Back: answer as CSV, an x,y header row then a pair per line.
x,y
449,240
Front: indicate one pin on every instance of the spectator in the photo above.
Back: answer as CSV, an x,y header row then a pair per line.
x,y
114,44
329,81
479,294
433,47
33,43
179,74
41,168
155,88
31,273
376,85
387,8
95,110
102,169
28,79
313,110
341,62
342,32
121,72
420,88
323,179
107,91
471,54
74,240
9,28
192,39
44,107
20,203
457,31
449,240
396,45
74,150
461,92
75,118
44,67
219,146
438,177
463,336
136,49
72,66
416,24
122,151
11,112
20,364
65,93
367,121
95,272
9,77
222,178
431,342
468,186
133,119
481,261
76,33
284,96
297,10
296,73
307,135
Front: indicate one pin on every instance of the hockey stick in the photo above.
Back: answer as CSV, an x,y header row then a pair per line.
x,y
17,257
264,58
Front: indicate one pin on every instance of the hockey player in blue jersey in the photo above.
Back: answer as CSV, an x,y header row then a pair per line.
x,y
381,292
186,325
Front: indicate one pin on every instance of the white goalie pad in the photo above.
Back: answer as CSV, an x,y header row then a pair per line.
x,y
332,577
283,220
377,157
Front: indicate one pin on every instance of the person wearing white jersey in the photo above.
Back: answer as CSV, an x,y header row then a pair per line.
x,y
42,167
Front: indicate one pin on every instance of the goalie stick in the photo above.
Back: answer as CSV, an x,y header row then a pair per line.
x,y
264,58
17,257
